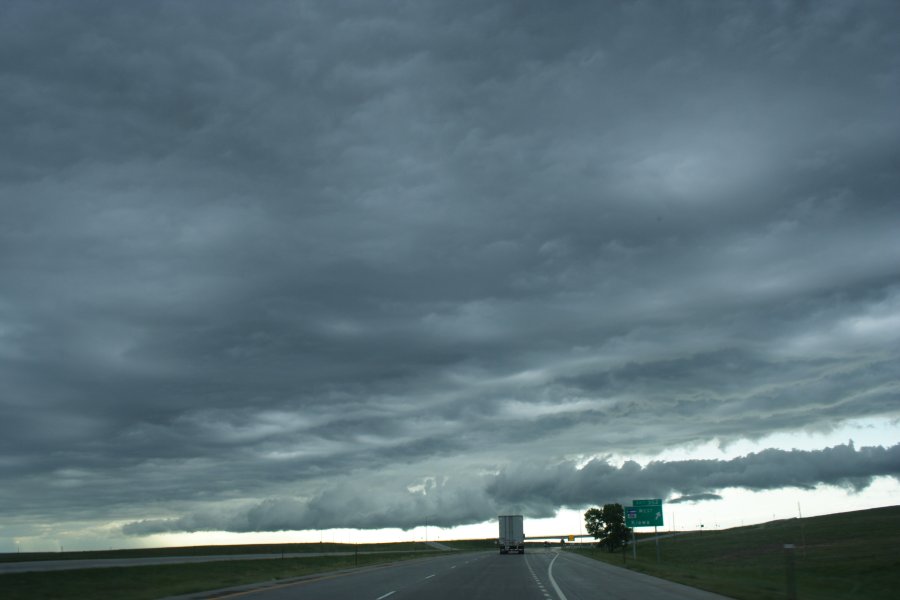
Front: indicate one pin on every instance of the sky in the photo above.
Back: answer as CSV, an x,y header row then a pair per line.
x,y
333,270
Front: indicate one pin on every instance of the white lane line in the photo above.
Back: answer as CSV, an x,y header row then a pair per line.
x,y
430,576
386,595
453,567
553,581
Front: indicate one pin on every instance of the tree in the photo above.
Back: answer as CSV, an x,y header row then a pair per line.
x,y
607,525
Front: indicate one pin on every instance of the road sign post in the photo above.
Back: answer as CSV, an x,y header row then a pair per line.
x,y
656,537
645,513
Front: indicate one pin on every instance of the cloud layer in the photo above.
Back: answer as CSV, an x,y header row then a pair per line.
x,y
259,253
540,491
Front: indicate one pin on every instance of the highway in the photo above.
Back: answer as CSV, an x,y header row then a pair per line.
x,y
544,574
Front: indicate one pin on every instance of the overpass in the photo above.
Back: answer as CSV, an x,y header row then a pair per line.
x,y
557,537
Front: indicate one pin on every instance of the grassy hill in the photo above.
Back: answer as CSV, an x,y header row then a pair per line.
x,y
841,556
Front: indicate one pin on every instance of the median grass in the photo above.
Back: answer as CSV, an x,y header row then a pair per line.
x,y
472,545
158,581
843,556
215,551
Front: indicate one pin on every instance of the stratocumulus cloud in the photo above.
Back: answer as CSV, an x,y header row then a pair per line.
x,y
538,491
252,256
694,498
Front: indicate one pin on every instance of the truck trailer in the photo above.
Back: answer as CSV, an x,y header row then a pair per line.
x,y
512,535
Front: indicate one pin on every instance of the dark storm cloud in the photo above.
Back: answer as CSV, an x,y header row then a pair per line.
x,y
694,498
350,504
248,252
565,484
539,490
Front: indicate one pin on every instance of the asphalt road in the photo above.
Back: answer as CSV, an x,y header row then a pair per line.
x,y
538,575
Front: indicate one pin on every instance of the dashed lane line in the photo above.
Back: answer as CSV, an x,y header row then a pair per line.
x,y
386,595
537,580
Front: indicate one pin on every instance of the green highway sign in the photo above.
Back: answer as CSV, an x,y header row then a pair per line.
x,y
651,502
643,516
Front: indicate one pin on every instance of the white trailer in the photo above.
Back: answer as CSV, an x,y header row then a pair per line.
x,y
512,534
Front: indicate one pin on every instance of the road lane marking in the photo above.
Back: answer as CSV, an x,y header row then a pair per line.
x,y
386,595
553,581
537,581
430,576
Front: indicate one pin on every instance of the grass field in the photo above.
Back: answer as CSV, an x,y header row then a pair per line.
x,y
216,550
158,581
473,545
844,556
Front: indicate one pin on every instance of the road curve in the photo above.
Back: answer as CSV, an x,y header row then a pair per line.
x,y
538,575
582,578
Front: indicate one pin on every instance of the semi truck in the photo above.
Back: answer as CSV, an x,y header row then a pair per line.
x,y
512,535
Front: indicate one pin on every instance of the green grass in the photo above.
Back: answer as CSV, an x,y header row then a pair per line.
x,y
472,545
845,556
157,581
216,551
